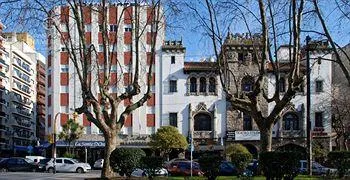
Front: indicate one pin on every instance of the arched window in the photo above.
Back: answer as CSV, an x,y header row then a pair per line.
x,y
193,84
202,122
282,85
202,84
291,121
212,85
247,122
247,84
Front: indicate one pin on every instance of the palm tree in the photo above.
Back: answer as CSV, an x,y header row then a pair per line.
x,y
71,131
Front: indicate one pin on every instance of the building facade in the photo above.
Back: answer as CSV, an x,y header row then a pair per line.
x,y
63,86
19,100
190,97
290,131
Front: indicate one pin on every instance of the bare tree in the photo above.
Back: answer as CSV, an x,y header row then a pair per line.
x,y
269,21
93,64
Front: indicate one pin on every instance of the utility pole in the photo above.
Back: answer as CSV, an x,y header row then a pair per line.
x,y
308,107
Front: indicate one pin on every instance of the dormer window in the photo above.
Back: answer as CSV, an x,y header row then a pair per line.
x,y
282,85
203,85
240,57
212,85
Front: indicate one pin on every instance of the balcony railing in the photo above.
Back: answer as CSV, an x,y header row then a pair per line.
x,y
23,122
292,133
203,134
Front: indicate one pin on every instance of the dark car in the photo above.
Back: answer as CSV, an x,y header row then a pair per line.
x,y
227,169
183,168
18,164
42,164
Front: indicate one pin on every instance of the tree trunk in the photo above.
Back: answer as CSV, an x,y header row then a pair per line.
x,y
266,138
111,144
345,144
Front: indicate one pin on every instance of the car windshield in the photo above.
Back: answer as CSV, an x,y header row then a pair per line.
x,y
28,160
75,161
44,161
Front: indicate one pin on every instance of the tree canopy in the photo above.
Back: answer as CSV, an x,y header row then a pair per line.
x,y
168,138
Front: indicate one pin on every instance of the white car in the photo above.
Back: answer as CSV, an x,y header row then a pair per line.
x,y
141,173
98,164
68,165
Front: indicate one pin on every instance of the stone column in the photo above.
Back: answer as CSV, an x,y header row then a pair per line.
x,y
190,121
198,85
207,86
214,123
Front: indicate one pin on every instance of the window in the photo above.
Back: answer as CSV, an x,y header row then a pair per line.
x,y
240,57
247,122
212,85
100,48
173,119
127,47
319,86
58,160
282,85
128,28
318,119
291,121
64,49
202,84
172,59
202,122
66,161
64,68
193,84
247,84
100,27
87,27
173,86
113,28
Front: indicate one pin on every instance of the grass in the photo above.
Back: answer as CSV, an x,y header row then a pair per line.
x,y
299,177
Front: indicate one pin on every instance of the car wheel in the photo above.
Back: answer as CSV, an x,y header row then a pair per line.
x,y
4,170
50,170
80,170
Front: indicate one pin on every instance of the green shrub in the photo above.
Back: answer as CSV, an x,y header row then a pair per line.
x,y
278,165
125,160
68,155
340,160
210,165
151,164
240,156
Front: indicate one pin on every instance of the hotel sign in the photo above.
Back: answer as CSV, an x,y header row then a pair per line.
x,y
247,135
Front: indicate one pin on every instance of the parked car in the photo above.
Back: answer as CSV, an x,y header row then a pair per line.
x,y
227,169
42,164
141,173
98,164
317,168
183,168
67,165
18,164
36,159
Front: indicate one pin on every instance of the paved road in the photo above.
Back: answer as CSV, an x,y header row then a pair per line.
x,y
38,176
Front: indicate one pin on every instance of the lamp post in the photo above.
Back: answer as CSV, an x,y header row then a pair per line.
x,y
308,107
54,154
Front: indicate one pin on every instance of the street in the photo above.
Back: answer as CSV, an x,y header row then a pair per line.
x,y
42,175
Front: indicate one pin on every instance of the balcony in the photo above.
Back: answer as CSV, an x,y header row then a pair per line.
x,y
41,90
23,122
21,133
3,128
41,110
21,99
292,133
23,111
203,134
41,80
40,100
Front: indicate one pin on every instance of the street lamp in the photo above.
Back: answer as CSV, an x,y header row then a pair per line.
x,y
54,153
308,107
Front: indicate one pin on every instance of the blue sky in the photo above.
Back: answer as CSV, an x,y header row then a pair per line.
x,y
199,45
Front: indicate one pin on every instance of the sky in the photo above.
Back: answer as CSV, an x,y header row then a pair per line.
x,y
185,27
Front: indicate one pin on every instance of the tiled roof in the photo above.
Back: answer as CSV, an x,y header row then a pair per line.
x,y
200,66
